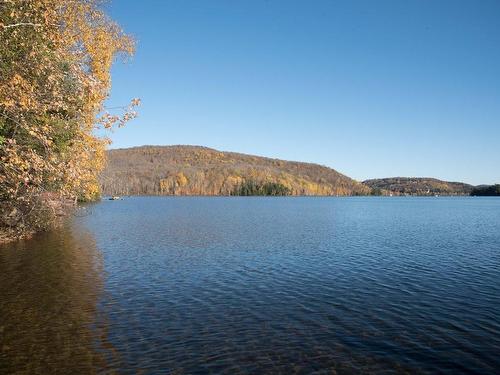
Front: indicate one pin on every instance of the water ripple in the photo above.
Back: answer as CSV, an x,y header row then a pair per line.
x,y
282,286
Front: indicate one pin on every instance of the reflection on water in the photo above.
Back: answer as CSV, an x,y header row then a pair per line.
x,y
256,286
49,288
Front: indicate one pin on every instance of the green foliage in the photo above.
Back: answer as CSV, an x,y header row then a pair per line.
x,y
491,191
2,131
249,188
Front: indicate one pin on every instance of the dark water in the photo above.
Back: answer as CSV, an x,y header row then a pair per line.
x,y
258,285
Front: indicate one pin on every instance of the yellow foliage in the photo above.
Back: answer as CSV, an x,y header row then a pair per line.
x,y
55,65
158,170
181,179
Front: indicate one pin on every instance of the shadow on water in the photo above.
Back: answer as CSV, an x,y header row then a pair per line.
x,y
49,289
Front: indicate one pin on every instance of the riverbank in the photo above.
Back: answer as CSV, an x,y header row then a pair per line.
x,y
19,222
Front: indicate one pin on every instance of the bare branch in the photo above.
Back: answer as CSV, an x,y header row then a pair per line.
x,y
22,24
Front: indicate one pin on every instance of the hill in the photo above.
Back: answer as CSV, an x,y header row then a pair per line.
x,y
418,186
195,170
487,190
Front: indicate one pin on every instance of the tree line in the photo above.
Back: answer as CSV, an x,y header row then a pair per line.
x,y
253,188
491,191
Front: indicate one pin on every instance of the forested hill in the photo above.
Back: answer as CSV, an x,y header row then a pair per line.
x,y
194,170
418,186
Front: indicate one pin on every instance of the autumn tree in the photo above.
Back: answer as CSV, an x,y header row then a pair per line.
x,y
55,61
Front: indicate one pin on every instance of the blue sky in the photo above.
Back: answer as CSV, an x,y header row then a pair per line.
x,y
370,88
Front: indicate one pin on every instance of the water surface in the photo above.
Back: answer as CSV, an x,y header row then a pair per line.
x,y
258,285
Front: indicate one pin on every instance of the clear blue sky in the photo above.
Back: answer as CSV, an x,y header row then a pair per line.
x,y
370,88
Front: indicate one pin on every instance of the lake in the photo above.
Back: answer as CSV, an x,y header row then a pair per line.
x,y
254,285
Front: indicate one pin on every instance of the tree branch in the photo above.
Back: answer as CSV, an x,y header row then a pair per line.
x,y
22,24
